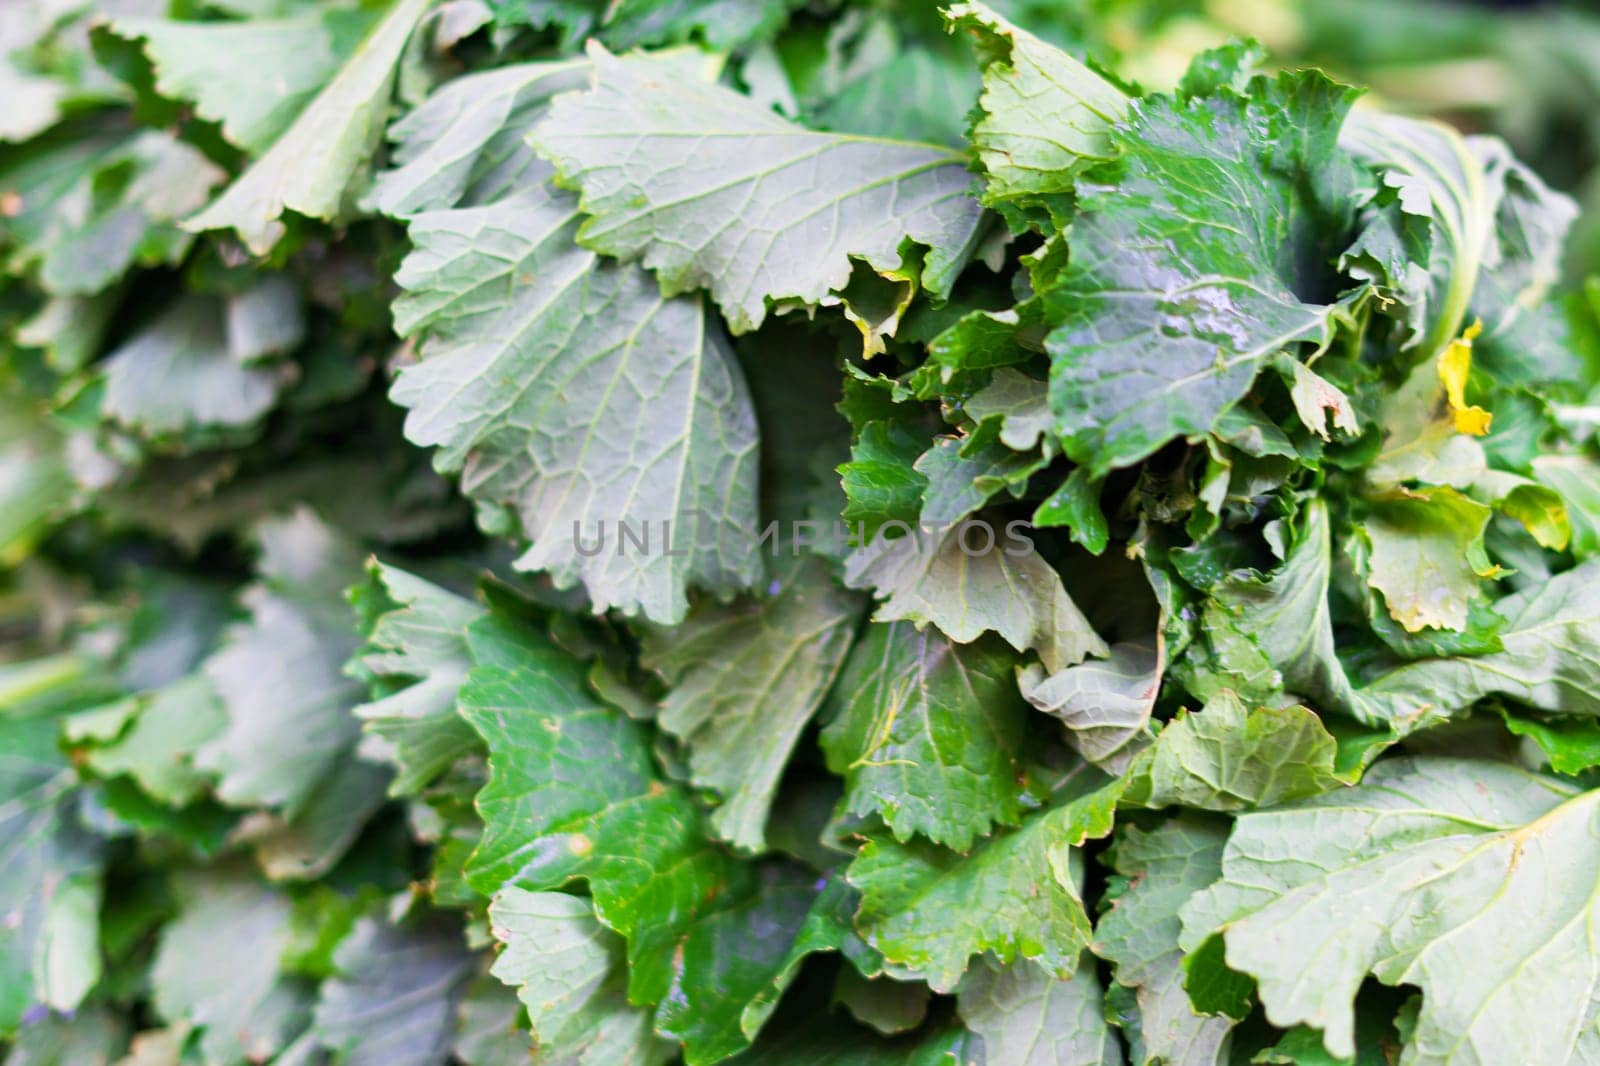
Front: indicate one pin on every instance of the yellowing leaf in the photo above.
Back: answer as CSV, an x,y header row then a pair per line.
x,y
1455,365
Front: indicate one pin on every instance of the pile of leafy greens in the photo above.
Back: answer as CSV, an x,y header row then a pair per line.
x,y
780,532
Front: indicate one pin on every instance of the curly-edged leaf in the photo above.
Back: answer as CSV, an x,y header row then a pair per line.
x,y
1427,555
1028,1017
423,640
1473,881
176,377
964,472
217,967
550,818
626,408
466,144
217,66
392,999
928,734
745,681
1549,659
569,973
881,482
35,91
1436,177
1161,329
715,191
316,166
1020,403
49,905
967,582
1105,703
89,200
1043,115
1227,66
1284,618
928,910
45,172
1493,229
1228,757
1156,873
281,674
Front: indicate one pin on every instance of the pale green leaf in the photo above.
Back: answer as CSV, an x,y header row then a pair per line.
x,y
280,675
490,1030
1285,618
1021,403
48,942
1028,1017
316,166
1548,659
969,581
964,472
628,407
887,1005
1043,115
307,842
723,24
569,973
217,967
424,640
1229,757
1436,176
90,1035
1472,881
1494,229
218,65
176,377
266,318
156,747
124,211
1427,555
745,681
1319,402
1156,873
1104,703
467,143
757,209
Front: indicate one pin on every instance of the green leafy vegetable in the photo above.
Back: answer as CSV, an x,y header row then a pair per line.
x,y
691,531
